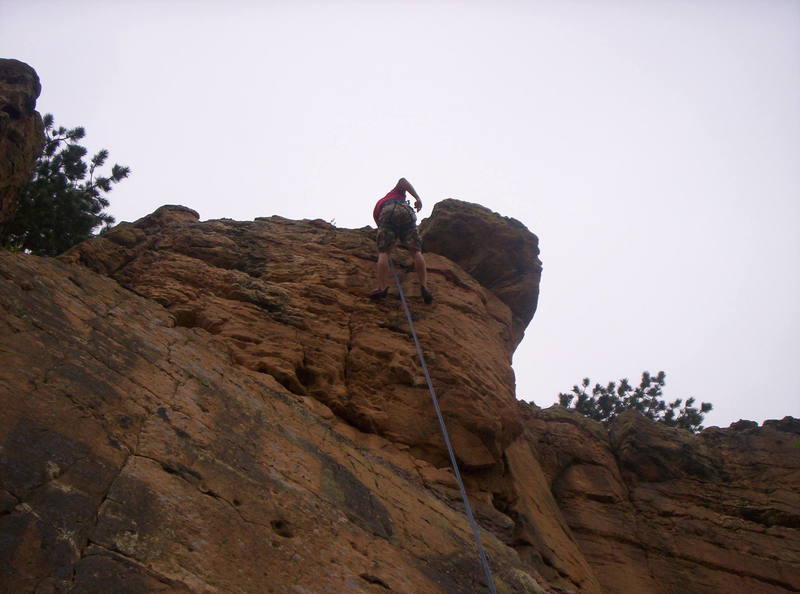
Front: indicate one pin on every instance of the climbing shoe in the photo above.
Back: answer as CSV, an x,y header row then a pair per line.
x,y
379,294
427,296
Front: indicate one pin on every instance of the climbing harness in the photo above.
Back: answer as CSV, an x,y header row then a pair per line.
x,y
467,508
403,226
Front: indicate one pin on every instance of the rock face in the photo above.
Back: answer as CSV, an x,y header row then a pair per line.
x,y
21,132
288,298
216,407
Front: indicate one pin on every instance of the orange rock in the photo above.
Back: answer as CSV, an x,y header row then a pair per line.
x,y
138,456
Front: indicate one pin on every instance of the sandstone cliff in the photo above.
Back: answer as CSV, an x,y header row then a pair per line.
x,y
21,132
215,407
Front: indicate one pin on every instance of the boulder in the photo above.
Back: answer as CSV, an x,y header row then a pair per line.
x,y
21,132
499,252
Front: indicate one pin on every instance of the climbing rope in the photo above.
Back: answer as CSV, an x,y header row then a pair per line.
x,y
467,507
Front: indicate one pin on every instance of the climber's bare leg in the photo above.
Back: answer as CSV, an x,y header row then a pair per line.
x,y
383,271
421,268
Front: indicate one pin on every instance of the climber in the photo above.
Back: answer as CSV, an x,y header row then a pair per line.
x,y
397,220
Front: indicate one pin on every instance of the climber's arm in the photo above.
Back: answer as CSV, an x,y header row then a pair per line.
x,y
403,184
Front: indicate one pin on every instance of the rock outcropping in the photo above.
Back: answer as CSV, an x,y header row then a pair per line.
x,y
215,407
21,132
509,266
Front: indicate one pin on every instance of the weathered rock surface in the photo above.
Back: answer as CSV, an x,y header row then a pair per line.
x,y
21,132
228,413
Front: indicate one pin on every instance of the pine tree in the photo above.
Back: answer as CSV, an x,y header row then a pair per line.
x,y
604,403
63,202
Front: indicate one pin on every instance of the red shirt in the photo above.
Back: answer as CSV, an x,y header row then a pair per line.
x,y
395,194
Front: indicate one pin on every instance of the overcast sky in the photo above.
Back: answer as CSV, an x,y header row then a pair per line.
x,y
653,146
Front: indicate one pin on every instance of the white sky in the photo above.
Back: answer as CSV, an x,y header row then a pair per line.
x,y
653,146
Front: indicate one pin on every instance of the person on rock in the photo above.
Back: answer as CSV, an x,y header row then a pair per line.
x,y
396,220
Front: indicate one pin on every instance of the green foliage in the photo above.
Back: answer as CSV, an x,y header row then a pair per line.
x,y
63,202
604,403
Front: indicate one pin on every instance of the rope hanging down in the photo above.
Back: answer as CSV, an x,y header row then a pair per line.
x,y
468,509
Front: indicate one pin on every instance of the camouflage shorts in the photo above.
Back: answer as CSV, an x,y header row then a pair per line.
x,y
398,221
